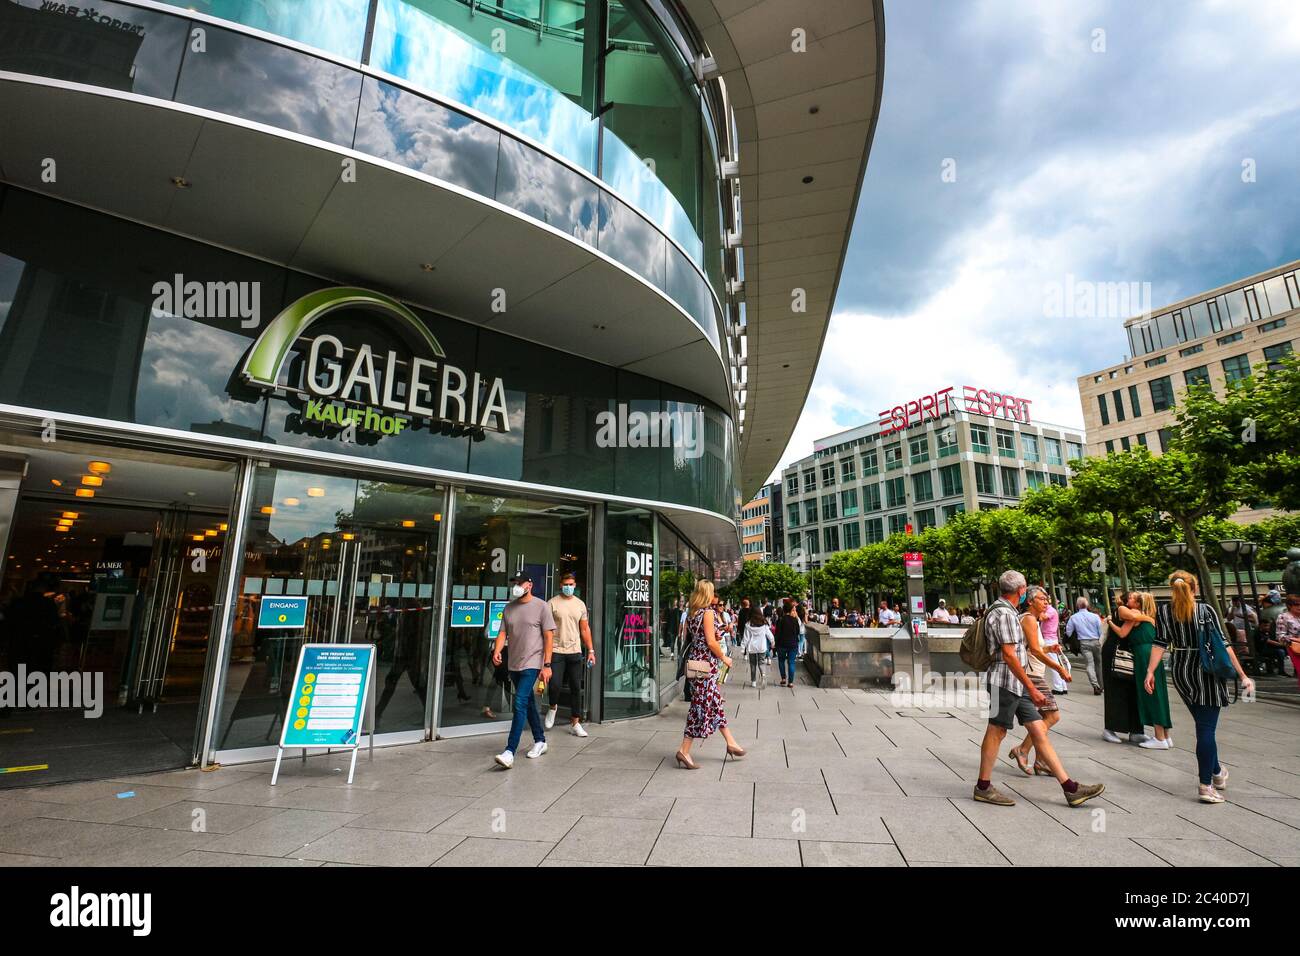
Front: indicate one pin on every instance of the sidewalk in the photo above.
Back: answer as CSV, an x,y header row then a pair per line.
x,y
832,777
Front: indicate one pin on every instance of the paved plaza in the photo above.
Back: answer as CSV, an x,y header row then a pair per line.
x,y
833,777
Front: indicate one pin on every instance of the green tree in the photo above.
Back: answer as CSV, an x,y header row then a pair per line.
x,y
1119,489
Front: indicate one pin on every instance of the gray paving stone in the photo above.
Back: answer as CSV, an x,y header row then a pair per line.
x,y
822,853
204,858
680,849
500,823
611,780
215,817
283,834
474,851
379,847
785,797
608,840
414,813
613,805
820,825
1203,853
707,817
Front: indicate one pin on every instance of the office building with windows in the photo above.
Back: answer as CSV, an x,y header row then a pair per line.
x,y
369,305
760,525
862,485
1213,337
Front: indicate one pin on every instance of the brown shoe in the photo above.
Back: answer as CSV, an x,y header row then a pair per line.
x,y
686,762
995,796
1085,793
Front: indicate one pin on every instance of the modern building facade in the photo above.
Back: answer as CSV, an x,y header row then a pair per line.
x,y
1213,337
376,303
925,460
761,526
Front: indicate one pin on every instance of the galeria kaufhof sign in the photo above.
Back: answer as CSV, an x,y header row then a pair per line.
x,y
377,394
978,401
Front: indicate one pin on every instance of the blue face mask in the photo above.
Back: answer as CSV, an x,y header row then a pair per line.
x,y
568,589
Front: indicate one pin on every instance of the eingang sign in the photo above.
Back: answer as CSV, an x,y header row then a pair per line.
x,y
393,389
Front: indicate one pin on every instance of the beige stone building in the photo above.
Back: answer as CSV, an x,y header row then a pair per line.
x,y
1216,336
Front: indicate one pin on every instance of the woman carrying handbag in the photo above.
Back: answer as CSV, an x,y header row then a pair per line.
x,y
703,656
1201,661
1120,704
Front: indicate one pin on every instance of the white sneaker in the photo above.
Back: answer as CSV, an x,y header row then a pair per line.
x,y
1210,795
577,730
506,758
1220,780
1151,743
537,749
550,717
1111,738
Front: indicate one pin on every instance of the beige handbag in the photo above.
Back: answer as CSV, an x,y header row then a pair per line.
x,y
698,670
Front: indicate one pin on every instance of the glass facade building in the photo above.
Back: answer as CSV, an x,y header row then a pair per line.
x,y
432,292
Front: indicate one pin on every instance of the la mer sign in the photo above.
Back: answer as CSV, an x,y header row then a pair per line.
x,y
980,401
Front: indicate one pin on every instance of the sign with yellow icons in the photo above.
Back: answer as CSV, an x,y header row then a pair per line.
x,y
282,612
328,697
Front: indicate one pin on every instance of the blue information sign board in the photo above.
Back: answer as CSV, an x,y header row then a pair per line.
x,y
495,612
468,613
327,702
288,612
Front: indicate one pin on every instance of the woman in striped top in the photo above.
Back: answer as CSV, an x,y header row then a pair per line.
x,y
1180,628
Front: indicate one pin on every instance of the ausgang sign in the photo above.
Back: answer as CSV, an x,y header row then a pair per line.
x,y
389,386
979,401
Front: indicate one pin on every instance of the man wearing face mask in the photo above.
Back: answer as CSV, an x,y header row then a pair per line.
x,y
528,627
572,636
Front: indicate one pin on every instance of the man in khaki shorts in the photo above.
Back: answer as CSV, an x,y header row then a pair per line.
x,y
572,637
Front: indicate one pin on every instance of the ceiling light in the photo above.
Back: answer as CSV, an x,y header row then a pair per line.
x,y
408,523
348,536
85,492
267,510
92,481
65,522
198,537
63,529
210,533
315,492
99,468
74,515
56,483
223,527
438,516
292,502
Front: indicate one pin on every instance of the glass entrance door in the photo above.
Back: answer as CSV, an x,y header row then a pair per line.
x,y
495,538
363,553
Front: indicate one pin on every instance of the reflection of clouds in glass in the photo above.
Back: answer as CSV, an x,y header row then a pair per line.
x,y
184,368
413,132
546,190
272,85
413,45
338,26
632,179
629,239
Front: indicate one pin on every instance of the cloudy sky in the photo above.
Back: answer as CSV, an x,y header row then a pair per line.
x,y
1106,157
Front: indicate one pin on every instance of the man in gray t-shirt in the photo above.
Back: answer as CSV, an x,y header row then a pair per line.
x,y
528,628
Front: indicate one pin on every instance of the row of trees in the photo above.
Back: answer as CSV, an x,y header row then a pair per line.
x,y
1113,521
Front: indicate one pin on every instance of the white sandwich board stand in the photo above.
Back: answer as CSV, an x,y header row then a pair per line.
x,y
329,702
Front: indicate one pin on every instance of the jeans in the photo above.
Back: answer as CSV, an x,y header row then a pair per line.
x,y
785,661
1207,748
755,660
1091,652
525,708
568,669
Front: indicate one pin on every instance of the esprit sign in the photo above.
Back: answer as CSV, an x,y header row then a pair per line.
x,y
979,401
373,392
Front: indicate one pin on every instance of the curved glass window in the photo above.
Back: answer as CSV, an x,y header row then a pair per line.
x,y
336,26
501,59
651,142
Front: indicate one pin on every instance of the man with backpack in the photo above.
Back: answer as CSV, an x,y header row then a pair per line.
x,y
996,643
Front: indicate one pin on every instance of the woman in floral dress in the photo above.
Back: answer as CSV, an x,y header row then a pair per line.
x,y
705,715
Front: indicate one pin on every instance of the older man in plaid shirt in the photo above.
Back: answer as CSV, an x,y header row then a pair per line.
x,y
1013,697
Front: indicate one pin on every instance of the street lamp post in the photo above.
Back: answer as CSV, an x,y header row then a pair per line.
x,y
1236,549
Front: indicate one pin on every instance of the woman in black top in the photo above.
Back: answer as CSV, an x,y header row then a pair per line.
x,y
1120,704
787,642
1181,628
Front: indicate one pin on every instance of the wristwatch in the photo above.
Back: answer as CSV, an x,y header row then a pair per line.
x,y
546,663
